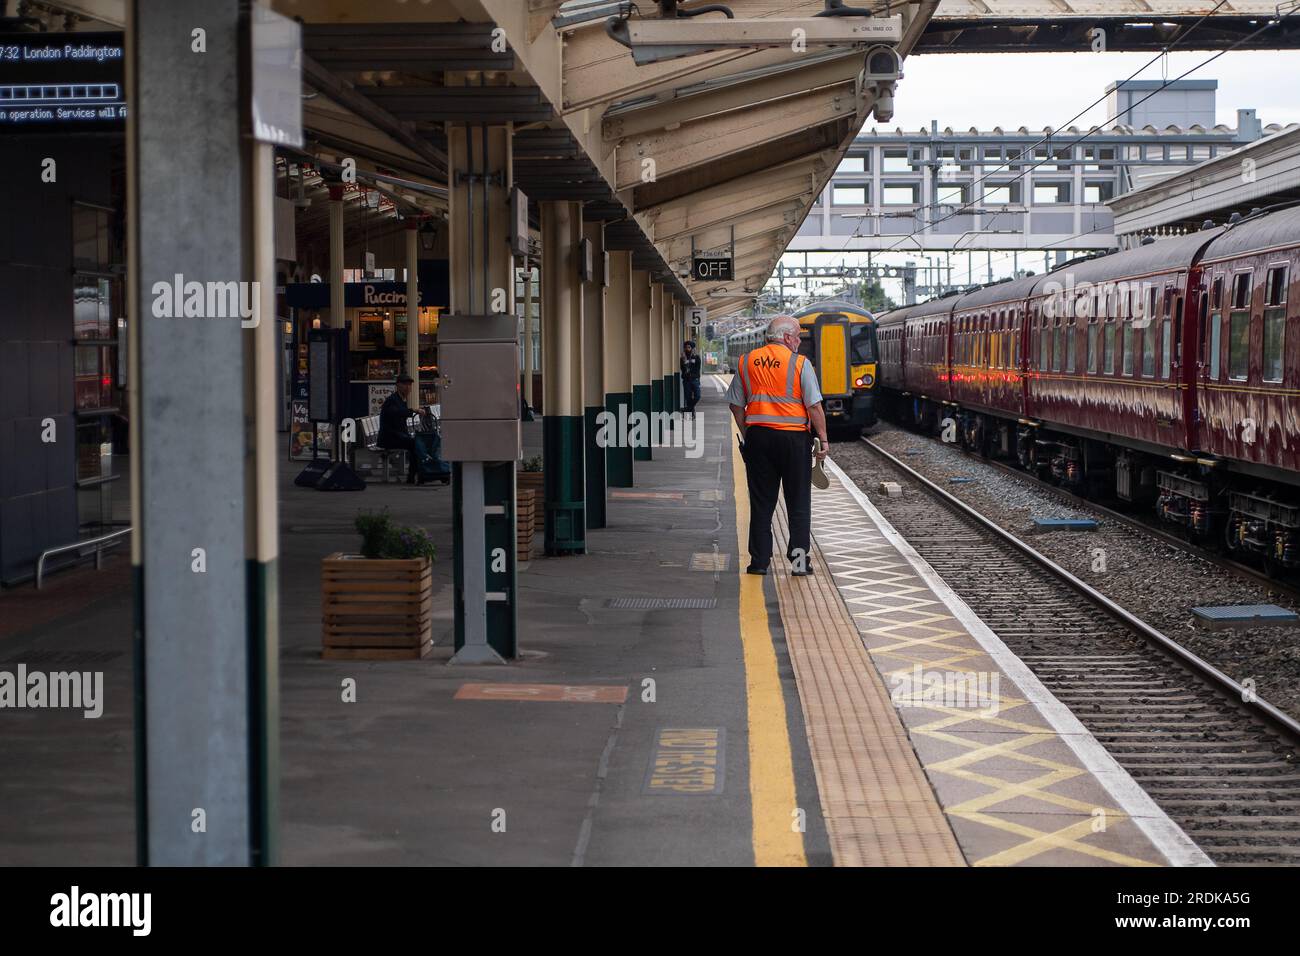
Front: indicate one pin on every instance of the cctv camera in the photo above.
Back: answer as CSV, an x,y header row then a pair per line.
x,y
883,65
884,107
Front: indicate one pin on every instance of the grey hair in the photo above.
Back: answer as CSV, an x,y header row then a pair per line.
x,y
778,326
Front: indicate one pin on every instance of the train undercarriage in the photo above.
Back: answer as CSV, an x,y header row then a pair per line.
x,y
1202,497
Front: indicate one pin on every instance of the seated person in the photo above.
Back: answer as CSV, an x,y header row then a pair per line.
x,y
393,433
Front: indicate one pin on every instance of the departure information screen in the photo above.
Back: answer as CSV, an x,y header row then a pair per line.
x,y
55,82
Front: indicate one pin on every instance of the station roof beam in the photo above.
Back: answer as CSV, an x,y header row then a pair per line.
x,y
1042,26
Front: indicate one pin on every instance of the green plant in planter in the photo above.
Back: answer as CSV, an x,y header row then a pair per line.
x,y
381,538
533,464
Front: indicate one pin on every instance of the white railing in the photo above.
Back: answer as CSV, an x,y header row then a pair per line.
x,y
96,543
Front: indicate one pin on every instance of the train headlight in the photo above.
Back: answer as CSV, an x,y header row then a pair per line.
x,y
864,381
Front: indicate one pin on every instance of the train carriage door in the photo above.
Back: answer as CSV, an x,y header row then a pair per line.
x,y
831,333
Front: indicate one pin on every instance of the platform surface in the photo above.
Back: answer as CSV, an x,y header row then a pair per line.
x,y
667,709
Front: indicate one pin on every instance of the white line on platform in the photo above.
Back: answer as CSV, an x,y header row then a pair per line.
x,y
717,383
1166,835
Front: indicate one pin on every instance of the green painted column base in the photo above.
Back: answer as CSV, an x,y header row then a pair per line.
x,y
618,454
641,401
498,535
564,481
656,407
678,402
595,468
670,396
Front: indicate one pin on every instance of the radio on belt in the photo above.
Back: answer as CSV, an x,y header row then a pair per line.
x,y
478,362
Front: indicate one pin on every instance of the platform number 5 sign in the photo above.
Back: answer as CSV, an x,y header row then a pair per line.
x,y
695,316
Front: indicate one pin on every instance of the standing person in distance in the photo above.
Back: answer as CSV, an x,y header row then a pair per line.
x,y
690,364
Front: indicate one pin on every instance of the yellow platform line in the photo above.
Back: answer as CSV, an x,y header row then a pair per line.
x,y
777,841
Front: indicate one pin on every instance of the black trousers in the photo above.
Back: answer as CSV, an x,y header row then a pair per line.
x,y
691,386
778,458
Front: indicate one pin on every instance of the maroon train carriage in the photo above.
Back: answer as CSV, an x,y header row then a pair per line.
x,y
1107,383
988,382
1167,375
1247,387
914,369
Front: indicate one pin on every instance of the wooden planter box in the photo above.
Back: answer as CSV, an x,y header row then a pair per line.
x,y
533,481
525,506
376,610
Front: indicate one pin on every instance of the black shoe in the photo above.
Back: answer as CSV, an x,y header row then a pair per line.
x,y
806,572
410,479
753,570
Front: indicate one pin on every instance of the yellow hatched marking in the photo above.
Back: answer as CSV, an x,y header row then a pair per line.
x,y
1038,841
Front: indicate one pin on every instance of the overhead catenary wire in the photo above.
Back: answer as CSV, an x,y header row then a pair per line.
x,y
967,208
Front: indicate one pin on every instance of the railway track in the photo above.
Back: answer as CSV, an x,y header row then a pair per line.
x,y
1216,558
1221,764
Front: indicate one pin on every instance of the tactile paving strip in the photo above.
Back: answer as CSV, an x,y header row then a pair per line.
x,y
877,804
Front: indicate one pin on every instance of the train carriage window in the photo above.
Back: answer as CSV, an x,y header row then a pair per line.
x,y
1239,328
1216,343
1176,350
1166,347
1069,345
1239,345
1203,322
1044,345
1108,349
1274,323
864,344
1241,290
1128,347
1149,329
1216,296
1094,338
1058,345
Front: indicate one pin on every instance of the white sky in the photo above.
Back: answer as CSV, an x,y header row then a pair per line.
x,y
1046,89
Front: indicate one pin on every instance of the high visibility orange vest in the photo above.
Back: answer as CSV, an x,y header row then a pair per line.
x,y
773,389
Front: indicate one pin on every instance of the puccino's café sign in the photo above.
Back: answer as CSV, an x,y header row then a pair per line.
x,y
356,295
433,289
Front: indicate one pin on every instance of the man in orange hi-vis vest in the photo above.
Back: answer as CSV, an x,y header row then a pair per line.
x,y
774,397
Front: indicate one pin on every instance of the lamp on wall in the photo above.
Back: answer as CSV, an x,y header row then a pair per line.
x,y
428,235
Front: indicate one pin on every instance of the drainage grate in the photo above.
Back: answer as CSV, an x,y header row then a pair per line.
x,y
1243,615
661,604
